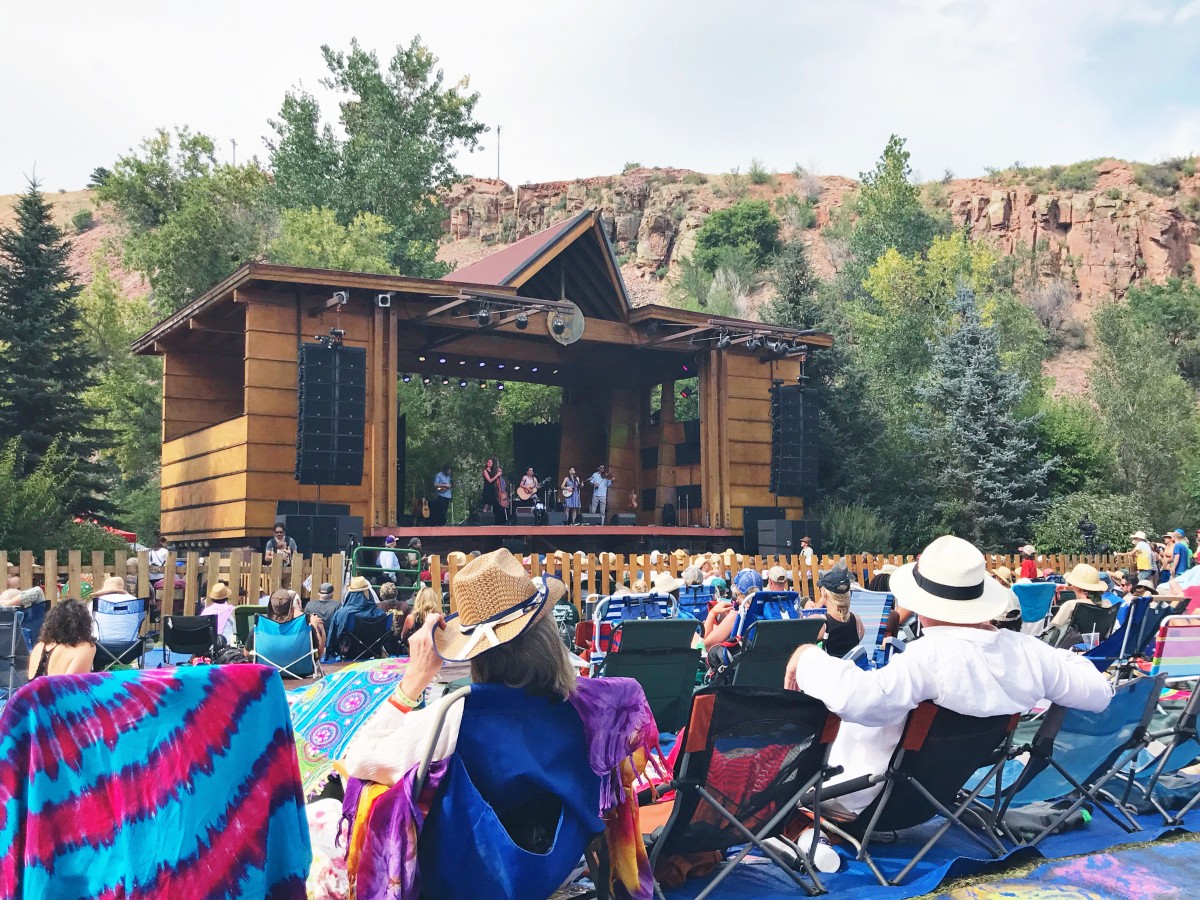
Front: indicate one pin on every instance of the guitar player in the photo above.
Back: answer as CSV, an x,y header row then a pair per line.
x,y
571,490
442,484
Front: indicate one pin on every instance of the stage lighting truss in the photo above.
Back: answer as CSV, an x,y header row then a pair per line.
x,y
490,310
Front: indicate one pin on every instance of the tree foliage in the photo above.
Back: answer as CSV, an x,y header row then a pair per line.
x,y
1116,516
45,364
749,227
1071,431
314,237
400,131
795,302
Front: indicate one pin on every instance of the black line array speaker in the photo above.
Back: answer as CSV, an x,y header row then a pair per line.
x,y
795,447
332,390
322,533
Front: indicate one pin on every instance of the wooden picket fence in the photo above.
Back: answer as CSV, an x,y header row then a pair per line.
x,y
594,573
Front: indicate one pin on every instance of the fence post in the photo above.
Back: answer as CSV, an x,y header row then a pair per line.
x,y
575,570
50,570
191,583
337,574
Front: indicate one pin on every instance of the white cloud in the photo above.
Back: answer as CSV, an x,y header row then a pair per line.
x,y
1187,12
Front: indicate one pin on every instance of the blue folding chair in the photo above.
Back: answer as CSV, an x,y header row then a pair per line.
x,y
873,608
286,646
118,633
612,611
1180,748
1077,753
32,619
1135,636
776,605
14,652
694,600
1035,598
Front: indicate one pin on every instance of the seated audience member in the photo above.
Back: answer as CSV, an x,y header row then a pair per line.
x,y
1083,578
66,645
217,604
1003,574
1118,587
667,585
692,576
427,602
881,579
961,662
22,598
843,629
324,606
777,579
358,605
281,609
1010,619
721,624
388,559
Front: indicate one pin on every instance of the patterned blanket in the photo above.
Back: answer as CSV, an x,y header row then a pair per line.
x,y
325,715
178,783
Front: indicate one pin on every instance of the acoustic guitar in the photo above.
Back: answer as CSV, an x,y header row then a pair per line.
x,y
527,494
424,507
568,489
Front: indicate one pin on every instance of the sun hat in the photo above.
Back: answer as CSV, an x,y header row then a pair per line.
x,y
665,582
806,540
692,575
836,579
777,573
326,589
1086,578
359,583
950,583
114,584
1148,585
747,581
1027,548
1012,610
1116,575
885,569
1003,574
1138,536
219,591
496,601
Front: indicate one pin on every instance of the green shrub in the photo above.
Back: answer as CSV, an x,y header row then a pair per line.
x,y
561,204
1116,517
734,184
82,221
629,167
661,272
1078,176
749,226
1190,207
853,528
798,212
1113,193
695,178
1162,178
758,173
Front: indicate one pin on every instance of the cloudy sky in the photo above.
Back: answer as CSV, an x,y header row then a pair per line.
x,y
582,88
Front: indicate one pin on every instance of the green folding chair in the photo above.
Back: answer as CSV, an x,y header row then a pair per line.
x,y
658,655
769,647
243,618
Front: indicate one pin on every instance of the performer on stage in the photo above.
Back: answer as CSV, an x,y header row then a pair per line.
x,y
529,488
441,496
491,472
600,482
572,487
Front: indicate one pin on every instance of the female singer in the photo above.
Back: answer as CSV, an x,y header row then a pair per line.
x,y
571,489
491,471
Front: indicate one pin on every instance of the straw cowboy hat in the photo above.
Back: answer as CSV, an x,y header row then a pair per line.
x,y
1003,574
113,584
456,558
1138,536
358,583
496,601
665,582
950,583
219,591
1086,578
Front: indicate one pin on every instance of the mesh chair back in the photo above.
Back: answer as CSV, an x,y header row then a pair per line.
x,y
752,749
658,655
612,611
1084,743
941,750
768,649
285,646
243,620
1035,599
189,636
365,639
31,621
118,621
14,652
694,600
771,606
1088,618
1135,636
1177,648
873,608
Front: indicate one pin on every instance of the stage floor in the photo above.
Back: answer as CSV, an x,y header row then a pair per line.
x,y
616,538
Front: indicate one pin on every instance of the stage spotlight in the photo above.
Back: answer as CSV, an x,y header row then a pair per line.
x,y
482,365
499,385
462,382
442,360
499,365
483,316
462,362
516,368
555,372
420,359
522,321
341,298
445,381
558,324
755,343
777,346
426,380
406,378
724,341
685,368
482,383
534,369
685,393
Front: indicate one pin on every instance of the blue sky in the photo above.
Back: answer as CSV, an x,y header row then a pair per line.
x,y
581,88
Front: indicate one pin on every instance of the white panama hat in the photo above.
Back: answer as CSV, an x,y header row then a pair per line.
x,y
950,583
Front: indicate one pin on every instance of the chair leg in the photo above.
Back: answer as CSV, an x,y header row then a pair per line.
x,y
1085,794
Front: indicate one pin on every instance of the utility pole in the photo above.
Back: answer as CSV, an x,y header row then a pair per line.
x,y
497,152
233,141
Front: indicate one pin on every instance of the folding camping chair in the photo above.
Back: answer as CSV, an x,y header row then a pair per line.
x,y
365,640
31,622
612,611
118,634
694,600
519,761
1077,752
658,655
14,652
1181,748
1135,636
1035,598
748,757
766,651
243,621
188,636
1177,649
873,608
286,647
1088,618
938,753
774,605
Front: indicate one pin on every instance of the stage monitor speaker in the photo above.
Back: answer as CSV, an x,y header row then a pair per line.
x,y
330,430
556,517
795,441
310,508
624,519
669,517
591,519
523,517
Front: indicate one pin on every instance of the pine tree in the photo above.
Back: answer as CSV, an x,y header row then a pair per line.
x,y
45,366
982,471
795,301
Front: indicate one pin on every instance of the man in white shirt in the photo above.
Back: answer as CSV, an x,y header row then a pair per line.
x,y
961,663
388,560
600,483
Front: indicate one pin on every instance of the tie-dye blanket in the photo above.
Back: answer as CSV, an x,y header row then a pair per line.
x,y
325,715
178,783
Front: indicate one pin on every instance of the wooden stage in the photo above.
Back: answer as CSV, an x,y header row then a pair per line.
x,y
615,538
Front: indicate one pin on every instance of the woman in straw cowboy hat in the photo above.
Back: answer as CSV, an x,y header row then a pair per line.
x,y
962,663
1083,578
505,630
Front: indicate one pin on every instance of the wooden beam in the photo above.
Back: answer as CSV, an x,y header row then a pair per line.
x,y
197,325
681,334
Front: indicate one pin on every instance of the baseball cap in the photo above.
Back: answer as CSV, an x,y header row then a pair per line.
x,y
777,573
836,579
390,539
747,581
326,588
